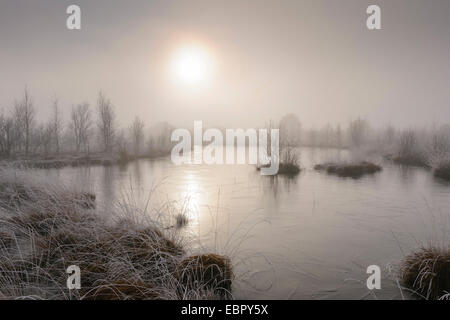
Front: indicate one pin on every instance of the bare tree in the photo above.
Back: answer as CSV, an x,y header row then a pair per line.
x,y
3,147
409,150
290,131
106,122
358,130
18,127
42,137
122,144
81,125
389,134
6,135
338,138
438,145
312,135
24,115
137,134
327,135
159,139
56,126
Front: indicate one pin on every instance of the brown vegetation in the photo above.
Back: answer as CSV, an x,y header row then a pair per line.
x,y
353,170
443,172
427,272
212,271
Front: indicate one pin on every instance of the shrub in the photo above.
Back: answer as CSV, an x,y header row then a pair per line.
x,y
353,170
288,169
443,171
408,152
181,220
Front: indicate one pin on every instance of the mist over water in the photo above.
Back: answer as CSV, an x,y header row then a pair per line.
x,y
307,237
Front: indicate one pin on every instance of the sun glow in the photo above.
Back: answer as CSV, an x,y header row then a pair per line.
x,y
192,66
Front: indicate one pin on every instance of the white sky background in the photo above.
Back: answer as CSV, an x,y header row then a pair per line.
x,y
312,58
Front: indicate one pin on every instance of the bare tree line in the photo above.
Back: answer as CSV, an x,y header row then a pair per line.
x,y
96,130
85,131
414,146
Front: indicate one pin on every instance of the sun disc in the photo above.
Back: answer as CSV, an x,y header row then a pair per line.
x,y
192,65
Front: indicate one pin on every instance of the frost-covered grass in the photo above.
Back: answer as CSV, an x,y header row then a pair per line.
x,y
44,228
427,272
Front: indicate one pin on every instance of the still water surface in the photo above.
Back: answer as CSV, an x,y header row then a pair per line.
x,y
308,237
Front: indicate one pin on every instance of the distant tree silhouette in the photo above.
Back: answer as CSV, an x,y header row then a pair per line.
x,y
56,126
24,118
358,130
81,126
106,122
137,135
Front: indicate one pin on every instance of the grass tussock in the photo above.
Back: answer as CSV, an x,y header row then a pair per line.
x,y
181,220
45,230
352,170
427,272
289,169
443,171
212,271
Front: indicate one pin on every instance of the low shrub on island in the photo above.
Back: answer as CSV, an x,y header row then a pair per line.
x,y
289,164
443,171
287,169
352,170
414,161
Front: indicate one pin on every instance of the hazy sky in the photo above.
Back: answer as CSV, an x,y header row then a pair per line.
x,y
313,58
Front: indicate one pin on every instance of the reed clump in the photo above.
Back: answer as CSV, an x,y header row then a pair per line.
x,y
181,220
288,164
